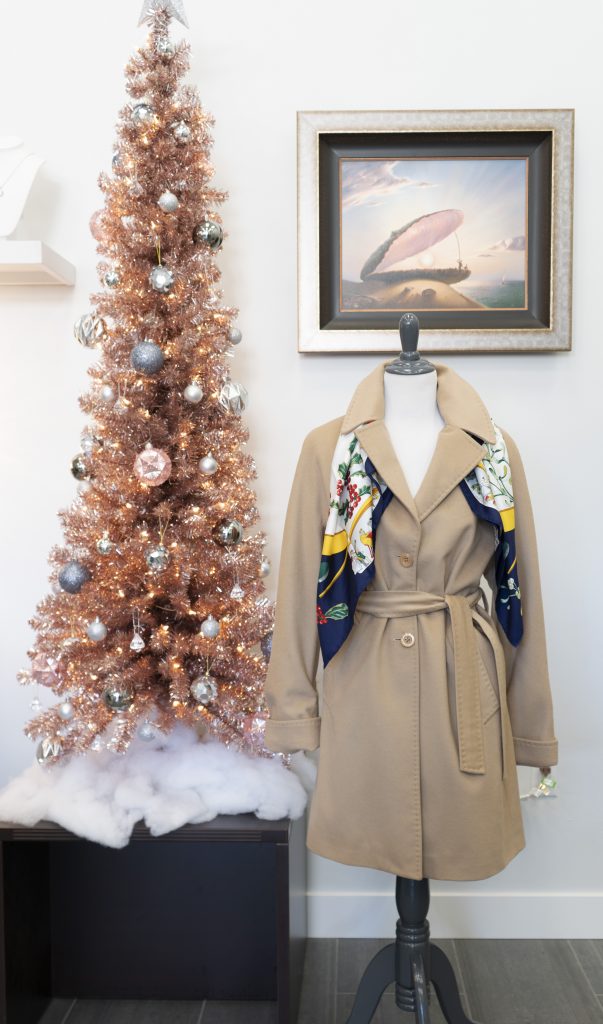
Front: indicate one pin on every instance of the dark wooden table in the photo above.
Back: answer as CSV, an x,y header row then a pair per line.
x,y
211,911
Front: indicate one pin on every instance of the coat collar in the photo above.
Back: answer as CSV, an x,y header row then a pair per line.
x,y
459,446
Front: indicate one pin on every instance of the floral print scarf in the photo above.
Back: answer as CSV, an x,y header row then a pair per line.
x,y
359,497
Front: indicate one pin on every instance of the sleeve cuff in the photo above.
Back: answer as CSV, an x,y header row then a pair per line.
x,y
535,753
295,734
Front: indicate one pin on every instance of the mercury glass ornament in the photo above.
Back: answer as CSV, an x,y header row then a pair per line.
x,y
237,593
182,132
147,357
204,689
233,397
66,710
193,392
168,202
235,336
227,532
104,546
72,577
111,279
158,558
44,670
210,627
146,731
265,566
141,113
96,630
209,233
266,646
153,466
48,750
208,465
117,697
107,393
161,279
79,468
89,330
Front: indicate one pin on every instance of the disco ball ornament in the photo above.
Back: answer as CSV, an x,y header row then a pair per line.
x,y
168,202
265,566
79,469
141,113
210,627
161,279
235,336
209,233
228,532
204,689
193,392
233,397
107,393
182,132
153,466
104,546
158,558
90,330
48,750
96,630
44,670
118,697
208,465
73,576
266,646
147,358
66,710
111,279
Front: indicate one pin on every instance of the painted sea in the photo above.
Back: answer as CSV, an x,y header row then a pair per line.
x,y
495,295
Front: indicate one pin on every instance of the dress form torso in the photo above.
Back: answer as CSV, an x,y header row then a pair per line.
x,y
413,420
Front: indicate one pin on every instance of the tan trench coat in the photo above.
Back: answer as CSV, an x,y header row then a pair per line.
x,y
418,740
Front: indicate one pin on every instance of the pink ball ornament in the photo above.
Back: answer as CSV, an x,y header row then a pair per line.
x,y
153,466
97,227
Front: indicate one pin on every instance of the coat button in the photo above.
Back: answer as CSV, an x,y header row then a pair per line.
x,y
406,559
407,639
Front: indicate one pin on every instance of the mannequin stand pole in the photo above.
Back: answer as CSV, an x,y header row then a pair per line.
x,y
412,961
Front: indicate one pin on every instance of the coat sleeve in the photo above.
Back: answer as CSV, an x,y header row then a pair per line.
x,y
290,683
528,687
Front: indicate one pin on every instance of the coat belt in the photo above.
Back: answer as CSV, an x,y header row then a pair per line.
x,y
462,611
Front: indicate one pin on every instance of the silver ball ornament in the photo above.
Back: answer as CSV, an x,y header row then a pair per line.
x,y
228,532
141,113
209,233
161,279
233,397
235,336
168,202
90,330
66,710
193,392
73,576
265,566
96,630
158,558
111,279
182,132
208,465
104,546
147,357
204,689
210,627
107,393
79,469
116,160
117,697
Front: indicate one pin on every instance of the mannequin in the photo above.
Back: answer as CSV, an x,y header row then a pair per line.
x,y
18,169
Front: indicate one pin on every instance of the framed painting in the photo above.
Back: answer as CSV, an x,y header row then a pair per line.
x,y
463,217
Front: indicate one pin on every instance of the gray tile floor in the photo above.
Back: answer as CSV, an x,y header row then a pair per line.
x,y
502,981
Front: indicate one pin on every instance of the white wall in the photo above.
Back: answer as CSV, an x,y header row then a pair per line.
x,y
256,64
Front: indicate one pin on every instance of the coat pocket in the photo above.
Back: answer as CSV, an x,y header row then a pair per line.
x,y
490,697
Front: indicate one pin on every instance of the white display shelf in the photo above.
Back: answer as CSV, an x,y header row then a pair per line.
x,y
24,262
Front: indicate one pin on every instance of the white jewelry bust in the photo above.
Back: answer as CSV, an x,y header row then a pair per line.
x,y
18,169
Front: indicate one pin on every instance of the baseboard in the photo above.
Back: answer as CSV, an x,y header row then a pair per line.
x,y
511,915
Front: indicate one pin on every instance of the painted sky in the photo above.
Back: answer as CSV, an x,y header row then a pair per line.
x,y
380,196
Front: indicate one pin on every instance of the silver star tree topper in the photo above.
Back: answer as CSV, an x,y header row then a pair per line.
x,y
175,8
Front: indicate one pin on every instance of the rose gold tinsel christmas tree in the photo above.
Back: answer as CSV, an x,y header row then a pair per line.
x,y
158,613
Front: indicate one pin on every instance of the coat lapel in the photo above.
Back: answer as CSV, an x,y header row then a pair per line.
x,y
456,451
